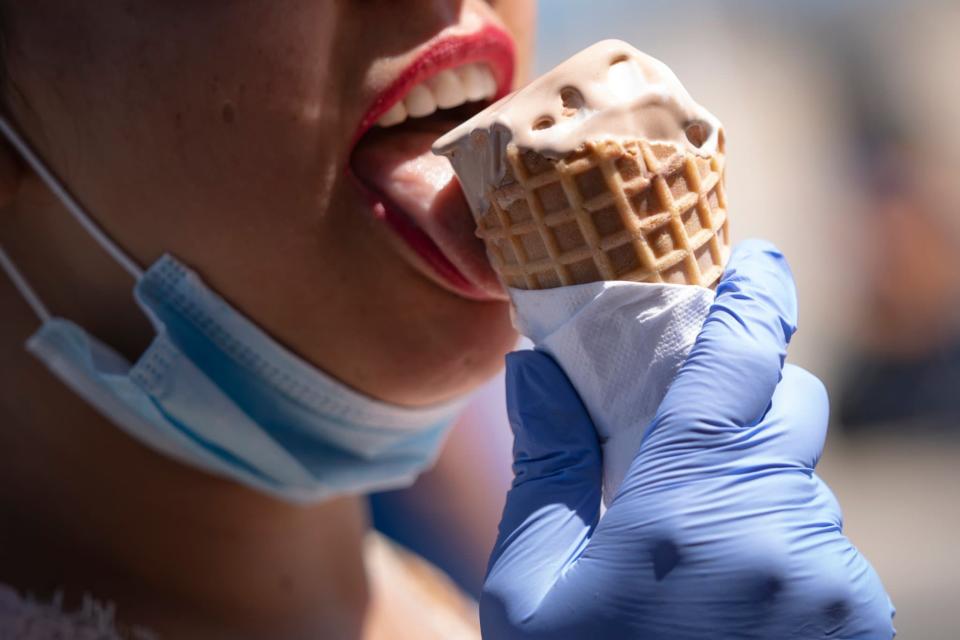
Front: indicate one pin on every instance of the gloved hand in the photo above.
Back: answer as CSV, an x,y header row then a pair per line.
x,y
721,529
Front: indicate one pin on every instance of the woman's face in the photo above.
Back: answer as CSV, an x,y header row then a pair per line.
x,y
235,135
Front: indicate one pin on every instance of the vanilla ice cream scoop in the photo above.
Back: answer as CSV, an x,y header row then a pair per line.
x,y
598,191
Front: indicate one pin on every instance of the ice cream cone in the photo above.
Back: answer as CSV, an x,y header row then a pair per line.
x,y
602,169
637,211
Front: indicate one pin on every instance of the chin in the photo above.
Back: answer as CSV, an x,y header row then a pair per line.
x,y
458,346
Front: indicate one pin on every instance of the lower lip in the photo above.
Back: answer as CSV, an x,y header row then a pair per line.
x,y
421,244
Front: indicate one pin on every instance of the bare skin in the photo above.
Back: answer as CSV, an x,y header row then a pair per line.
x,y
217,132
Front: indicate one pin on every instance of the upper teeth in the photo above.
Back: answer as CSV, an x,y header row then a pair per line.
x,y
449,88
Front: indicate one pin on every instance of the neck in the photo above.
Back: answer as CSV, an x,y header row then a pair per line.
x,y
86,510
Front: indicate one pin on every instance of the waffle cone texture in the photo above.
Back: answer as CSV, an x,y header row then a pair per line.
x,y
639,211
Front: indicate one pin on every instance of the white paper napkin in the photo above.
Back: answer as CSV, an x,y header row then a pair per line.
x,y
621,344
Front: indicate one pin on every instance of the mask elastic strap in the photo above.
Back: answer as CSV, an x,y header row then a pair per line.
x,y
23,287
77,211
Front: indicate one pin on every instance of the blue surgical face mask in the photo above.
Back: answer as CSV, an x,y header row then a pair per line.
x,y
216,392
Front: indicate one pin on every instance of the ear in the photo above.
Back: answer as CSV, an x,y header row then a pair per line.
x,y
11,175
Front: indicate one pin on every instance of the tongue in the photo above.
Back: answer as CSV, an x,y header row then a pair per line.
x,y
399,165
402,167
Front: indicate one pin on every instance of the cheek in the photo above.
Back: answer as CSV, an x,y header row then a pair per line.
x,y
181,120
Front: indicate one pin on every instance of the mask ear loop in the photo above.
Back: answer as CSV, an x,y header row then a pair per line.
x,y
23,287
72,205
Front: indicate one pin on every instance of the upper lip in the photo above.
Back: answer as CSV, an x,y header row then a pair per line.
x,y
490,45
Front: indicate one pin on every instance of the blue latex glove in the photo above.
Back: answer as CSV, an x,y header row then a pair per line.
x,y
721,529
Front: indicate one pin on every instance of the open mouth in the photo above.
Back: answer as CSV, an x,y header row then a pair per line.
x,y
415,192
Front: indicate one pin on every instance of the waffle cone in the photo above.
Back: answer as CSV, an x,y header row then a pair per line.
x,y
640,211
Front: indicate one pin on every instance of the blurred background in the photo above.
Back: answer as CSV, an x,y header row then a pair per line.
x,y
843,128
